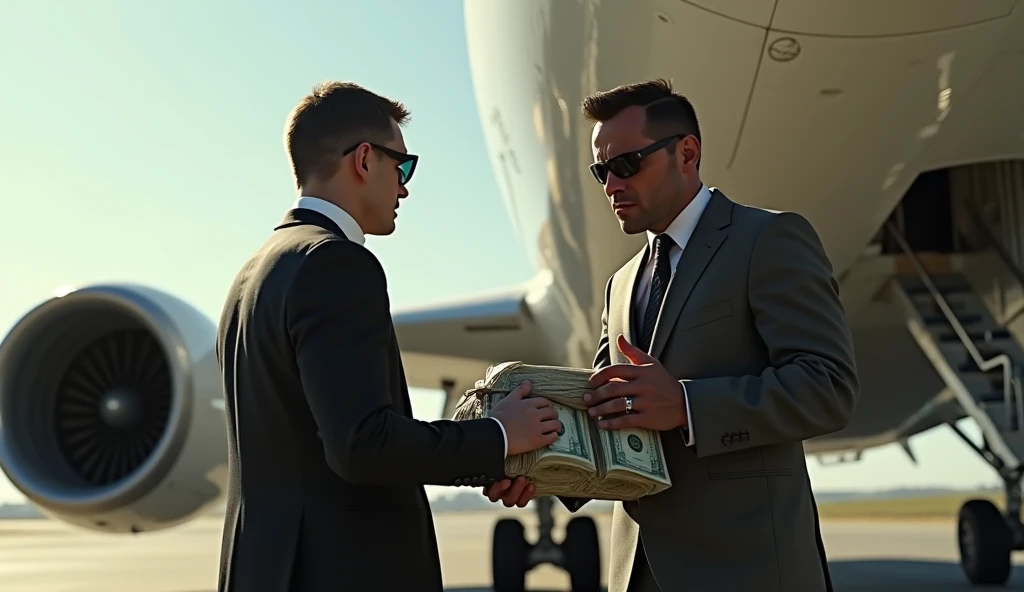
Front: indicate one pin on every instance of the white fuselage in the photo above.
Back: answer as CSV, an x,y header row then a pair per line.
x,y
827,109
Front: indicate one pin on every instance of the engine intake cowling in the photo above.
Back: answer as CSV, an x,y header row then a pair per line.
x,y
111,413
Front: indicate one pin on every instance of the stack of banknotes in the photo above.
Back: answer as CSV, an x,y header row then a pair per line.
x,y
585,461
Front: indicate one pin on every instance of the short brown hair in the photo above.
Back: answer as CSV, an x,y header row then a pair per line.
x,y
667,112
333,117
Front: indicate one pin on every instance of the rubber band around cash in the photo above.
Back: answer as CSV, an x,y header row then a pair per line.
x,y
562,385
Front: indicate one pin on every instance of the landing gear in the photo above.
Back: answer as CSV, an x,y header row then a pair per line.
x,y
985,543
986,536
509,556
582,554
579,554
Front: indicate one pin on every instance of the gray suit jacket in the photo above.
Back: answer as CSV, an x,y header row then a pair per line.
x,y
753,325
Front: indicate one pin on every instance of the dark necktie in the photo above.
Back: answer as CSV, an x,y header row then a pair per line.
x,y
659,284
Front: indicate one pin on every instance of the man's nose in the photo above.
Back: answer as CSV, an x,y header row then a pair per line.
x,y
613,185
403,192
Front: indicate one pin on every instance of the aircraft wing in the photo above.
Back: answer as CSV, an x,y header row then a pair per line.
x,y
450,344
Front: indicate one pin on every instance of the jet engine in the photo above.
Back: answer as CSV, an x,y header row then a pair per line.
x,y
111,412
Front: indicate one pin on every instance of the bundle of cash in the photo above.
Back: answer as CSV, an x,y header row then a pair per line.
x,y
585,461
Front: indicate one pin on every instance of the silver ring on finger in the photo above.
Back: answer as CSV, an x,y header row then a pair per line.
x,y
629,404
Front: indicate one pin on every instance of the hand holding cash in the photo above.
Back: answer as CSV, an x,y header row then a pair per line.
x,y
583,461
529,423
512,492
641,394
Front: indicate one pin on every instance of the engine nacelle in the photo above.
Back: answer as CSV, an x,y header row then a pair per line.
x,y
111,411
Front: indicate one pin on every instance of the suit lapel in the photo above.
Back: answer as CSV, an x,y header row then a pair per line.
x,y
622,297
708,236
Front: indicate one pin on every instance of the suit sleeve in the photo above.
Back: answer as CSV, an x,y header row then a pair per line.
x,y
810,386
602,358
338,317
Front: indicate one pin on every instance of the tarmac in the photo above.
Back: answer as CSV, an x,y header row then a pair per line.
x,y
47,556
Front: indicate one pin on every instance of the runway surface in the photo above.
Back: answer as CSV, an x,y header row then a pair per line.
x,y
45,556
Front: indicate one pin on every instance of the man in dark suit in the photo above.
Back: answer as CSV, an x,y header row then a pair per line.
x,y
327,465
726,334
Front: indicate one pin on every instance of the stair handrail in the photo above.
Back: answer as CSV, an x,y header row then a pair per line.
x,y
1018,394
977,220
984,365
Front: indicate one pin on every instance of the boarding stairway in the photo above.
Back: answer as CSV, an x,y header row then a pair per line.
x,y
978,359
981,362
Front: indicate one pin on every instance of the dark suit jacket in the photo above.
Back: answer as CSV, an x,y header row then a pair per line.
x,y
753,325
327,466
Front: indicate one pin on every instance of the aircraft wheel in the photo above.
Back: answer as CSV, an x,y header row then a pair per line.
x,y
986,543
509,555
582,554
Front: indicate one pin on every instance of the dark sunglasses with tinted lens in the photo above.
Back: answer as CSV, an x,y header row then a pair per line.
x,y
627,164
406,162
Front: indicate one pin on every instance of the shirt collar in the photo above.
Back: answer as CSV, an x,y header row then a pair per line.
x,y
345,222
682,227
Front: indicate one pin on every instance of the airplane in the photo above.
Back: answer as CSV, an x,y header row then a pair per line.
x,y
895,128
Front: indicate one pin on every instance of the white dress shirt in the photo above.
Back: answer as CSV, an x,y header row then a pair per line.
x,y
354,233
345,222
680,230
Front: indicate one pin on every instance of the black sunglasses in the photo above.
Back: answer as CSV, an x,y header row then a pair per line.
x,y
406,162
627,164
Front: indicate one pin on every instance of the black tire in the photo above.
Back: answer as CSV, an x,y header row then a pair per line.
x,y
582,551
986,543
509,556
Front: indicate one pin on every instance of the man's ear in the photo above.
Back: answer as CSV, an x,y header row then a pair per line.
x,y
689,153
361,161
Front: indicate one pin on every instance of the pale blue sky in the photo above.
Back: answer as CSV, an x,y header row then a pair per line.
x,y
142,141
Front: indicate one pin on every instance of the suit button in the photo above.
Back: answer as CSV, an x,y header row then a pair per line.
x,y
458,481
744,437
726,440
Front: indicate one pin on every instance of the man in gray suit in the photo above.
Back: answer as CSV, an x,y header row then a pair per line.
x,y
726,334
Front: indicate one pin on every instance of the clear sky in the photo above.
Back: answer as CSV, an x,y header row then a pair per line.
x,y
142,141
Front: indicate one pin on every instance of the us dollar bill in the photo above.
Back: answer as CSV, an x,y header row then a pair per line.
x,y
584,461
574,437
635,451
